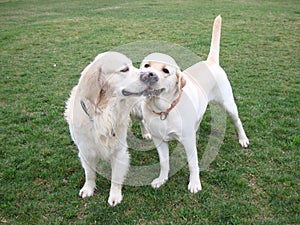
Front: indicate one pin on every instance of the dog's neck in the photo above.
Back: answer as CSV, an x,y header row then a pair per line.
x,y
110,104
112,123
164,102
109,114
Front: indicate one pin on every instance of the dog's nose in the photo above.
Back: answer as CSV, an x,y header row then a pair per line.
x,y
149,78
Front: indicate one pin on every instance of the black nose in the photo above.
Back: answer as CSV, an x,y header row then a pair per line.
x,y
149,78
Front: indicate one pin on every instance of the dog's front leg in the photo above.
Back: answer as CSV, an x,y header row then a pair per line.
x,y
163,152
145,132
192,157
119,166
88,162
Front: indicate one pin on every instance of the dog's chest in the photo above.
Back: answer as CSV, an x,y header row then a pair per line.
x,y
169,129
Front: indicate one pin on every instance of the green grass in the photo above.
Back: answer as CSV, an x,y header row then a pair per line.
x,y
44,45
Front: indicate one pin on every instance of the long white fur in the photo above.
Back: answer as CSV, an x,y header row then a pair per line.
x,y
100,131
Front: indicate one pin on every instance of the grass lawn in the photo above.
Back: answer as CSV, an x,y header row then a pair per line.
x,y
44,45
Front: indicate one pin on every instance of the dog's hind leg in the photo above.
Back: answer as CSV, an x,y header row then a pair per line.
x,y
231,108
119,167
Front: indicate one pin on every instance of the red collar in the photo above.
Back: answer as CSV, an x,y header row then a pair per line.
x,y
164,115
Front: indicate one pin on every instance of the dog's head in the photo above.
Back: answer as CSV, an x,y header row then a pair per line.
x,y
159,74
108,74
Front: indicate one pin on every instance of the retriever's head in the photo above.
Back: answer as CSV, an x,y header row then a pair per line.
x,y
107,75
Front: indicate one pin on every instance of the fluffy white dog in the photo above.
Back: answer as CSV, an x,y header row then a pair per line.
x,y
98,115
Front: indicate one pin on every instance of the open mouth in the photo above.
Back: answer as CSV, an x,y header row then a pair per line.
x,y
128,93
148,92
152,92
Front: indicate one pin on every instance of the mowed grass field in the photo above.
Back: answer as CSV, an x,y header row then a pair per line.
x,y
44,45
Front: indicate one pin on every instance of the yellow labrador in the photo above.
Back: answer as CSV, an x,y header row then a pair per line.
x,y
98,115
176,102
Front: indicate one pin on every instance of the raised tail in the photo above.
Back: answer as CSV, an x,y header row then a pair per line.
x,y
214,52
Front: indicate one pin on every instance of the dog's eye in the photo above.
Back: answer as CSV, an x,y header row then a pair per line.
x,y
126,69
165,70
147,65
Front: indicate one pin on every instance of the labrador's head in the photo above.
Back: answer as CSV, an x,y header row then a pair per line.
x,y
159,74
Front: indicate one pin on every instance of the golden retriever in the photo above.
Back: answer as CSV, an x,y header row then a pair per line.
x,y
98,116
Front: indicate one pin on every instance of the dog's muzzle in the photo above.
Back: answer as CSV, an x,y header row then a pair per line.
x,y
149,78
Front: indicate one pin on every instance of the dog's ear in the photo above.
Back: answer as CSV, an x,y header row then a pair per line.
x,y
180,79
103,100
91,82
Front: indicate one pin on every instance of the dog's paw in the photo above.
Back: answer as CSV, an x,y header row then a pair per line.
x,y
194,187
244,142
115,198
147,136
86,191
156,183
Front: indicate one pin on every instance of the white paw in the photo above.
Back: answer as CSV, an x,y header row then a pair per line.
x,y
147,136
156,183
115,198
194,187
244,142
87,191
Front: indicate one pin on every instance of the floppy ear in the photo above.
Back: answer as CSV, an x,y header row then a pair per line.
x,y
180,79
91,82
96,92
